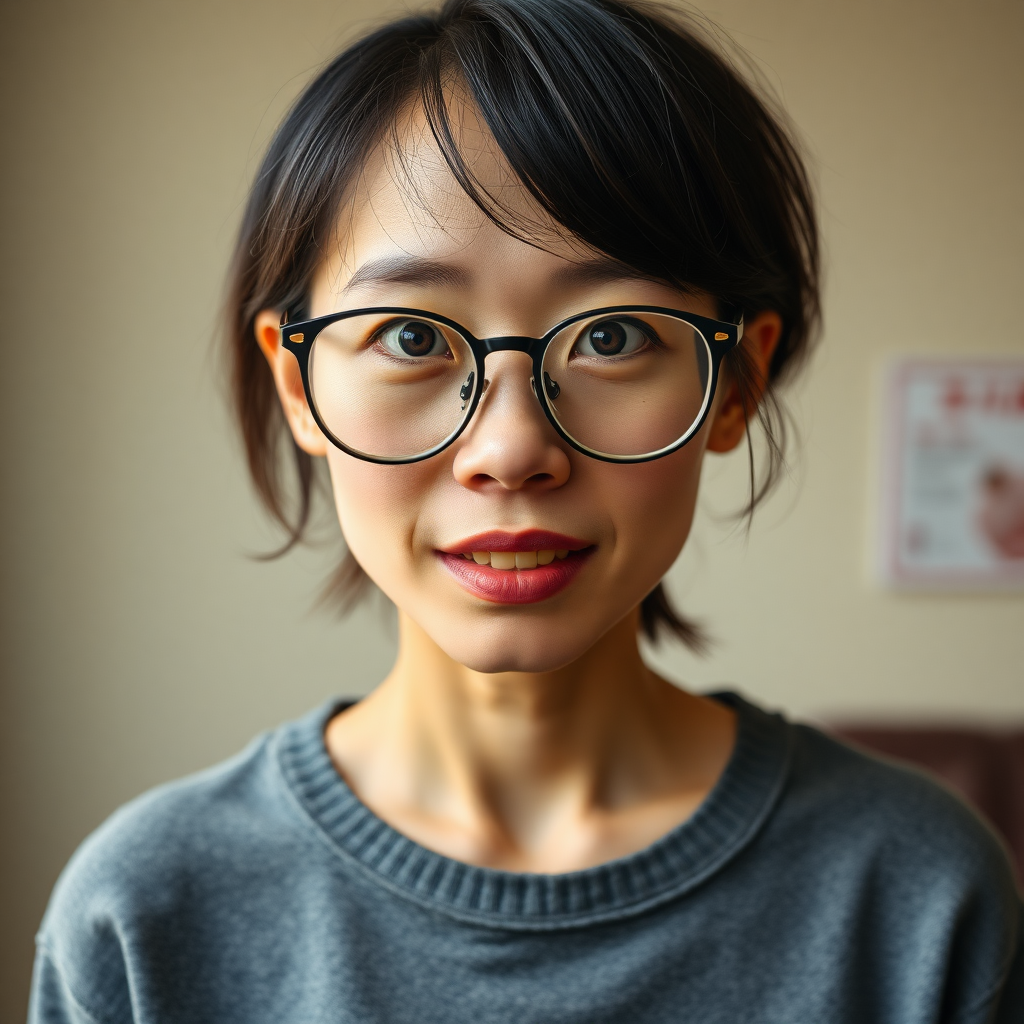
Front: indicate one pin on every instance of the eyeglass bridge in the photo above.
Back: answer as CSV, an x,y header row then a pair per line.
x,y
510,343
513,343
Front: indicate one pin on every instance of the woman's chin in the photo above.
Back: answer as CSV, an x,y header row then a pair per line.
x,y
512,648
507,661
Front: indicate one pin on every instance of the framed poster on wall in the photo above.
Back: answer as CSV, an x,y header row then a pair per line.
x,y
952,515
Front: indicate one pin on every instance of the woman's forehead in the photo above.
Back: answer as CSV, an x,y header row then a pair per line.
x,y
408,222
407,198
408,226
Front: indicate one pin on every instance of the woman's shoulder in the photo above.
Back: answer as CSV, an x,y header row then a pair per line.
x,y
865,830
872,800
189,843
863,844
882,875
220,798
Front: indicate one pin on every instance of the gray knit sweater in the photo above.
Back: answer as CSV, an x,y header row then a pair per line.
x,y
814,884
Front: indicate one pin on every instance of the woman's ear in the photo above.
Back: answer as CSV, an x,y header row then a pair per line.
x,y
285,368
760,337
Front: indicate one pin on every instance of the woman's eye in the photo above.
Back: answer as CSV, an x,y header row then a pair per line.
x,y
612,338
412,338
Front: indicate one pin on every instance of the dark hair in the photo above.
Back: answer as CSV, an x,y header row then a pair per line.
x,y
626,126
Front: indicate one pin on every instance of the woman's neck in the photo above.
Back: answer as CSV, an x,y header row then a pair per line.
x,y
551,771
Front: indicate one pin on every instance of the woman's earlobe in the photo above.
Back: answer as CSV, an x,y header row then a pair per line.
x,y
729,425
288,379
729,422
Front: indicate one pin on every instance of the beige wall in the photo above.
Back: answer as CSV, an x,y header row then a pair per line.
x,y
137,640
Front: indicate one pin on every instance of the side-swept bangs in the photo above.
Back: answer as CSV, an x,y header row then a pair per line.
x,y
626,125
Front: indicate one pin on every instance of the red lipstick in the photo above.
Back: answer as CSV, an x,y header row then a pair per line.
x,y
516,586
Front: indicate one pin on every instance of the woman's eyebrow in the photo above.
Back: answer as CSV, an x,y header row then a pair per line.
x,y
408,270
418,270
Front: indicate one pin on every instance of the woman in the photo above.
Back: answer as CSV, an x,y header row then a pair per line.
x,y
510,270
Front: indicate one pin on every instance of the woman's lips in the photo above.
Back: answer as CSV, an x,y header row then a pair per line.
x,y
516,568
515,586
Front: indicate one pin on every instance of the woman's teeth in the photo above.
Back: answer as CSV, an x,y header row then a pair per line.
x,y
514,559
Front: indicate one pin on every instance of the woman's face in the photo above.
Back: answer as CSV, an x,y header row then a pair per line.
x,y
409,236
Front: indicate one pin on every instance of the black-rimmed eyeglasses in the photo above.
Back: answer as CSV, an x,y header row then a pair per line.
x,y
621,384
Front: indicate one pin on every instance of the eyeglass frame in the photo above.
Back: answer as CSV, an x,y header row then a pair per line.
x,y
719,336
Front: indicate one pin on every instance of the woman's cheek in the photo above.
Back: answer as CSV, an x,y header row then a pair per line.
x,y
377,510
652,506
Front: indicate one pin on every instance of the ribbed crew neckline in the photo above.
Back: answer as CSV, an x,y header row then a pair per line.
x,y
682,859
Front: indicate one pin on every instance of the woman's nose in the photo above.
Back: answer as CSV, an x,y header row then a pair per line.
x,y
509,444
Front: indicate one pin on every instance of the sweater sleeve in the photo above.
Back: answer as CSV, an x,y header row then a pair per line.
x,y
81,970
1007,1006
51,1000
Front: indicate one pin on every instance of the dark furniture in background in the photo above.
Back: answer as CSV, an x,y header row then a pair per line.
x,y
986,767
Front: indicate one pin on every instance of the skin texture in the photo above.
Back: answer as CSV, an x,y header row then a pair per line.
x,y
525,737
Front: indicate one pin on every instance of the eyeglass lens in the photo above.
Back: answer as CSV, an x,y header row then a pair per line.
x,y
625,384
391,387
